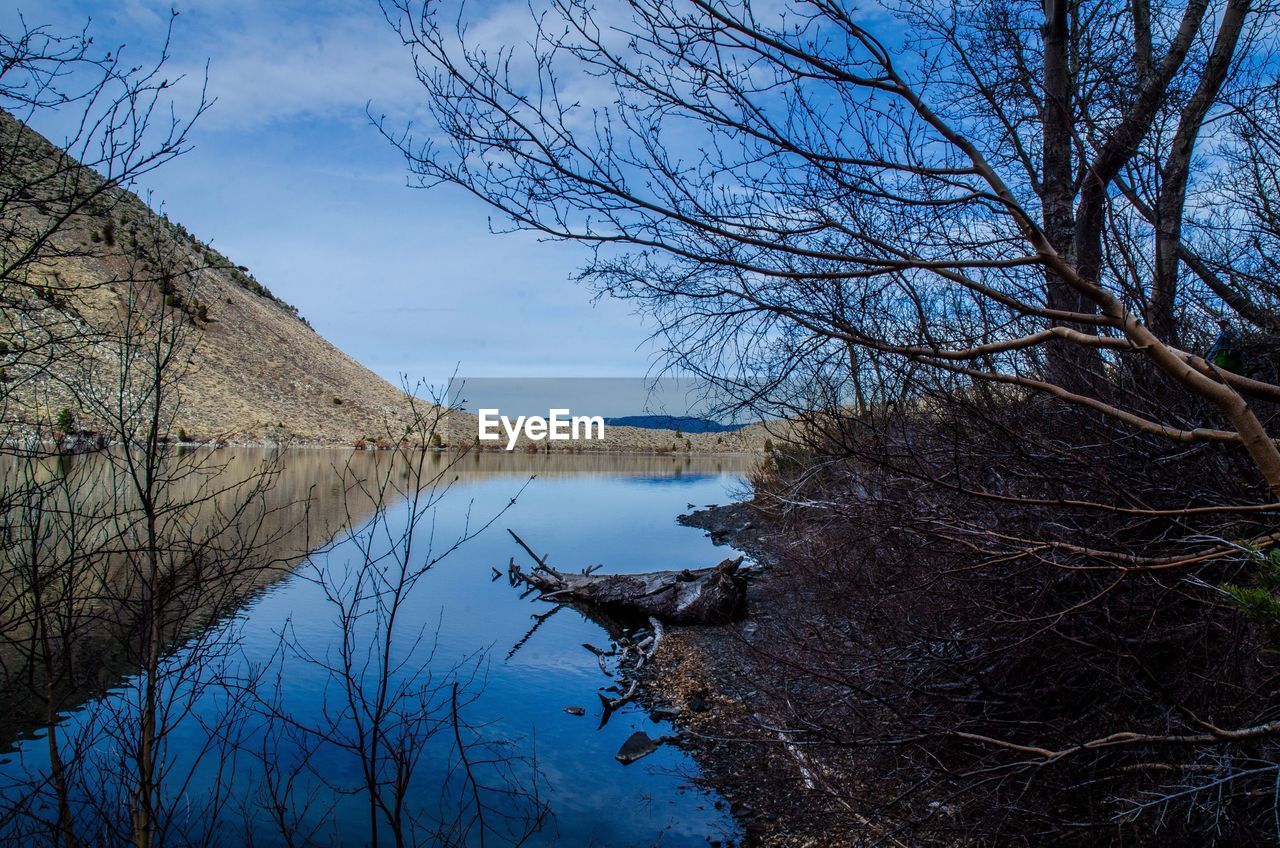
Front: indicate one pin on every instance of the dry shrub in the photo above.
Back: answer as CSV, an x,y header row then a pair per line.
x,y
976,592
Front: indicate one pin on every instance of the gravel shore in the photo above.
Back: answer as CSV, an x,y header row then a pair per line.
x,y
718,683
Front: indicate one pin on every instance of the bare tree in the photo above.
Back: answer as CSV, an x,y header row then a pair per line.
x,y
115,123
391,706
122,569
978,250
1003,184
123,573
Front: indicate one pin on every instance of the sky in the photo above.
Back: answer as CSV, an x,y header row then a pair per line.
x,y
288,177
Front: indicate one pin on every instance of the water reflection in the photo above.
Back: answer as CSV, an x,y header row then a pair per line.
x,y
291,507
581,509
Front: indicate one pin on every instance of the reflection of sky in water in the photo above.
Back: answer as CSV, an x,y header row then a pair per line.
x,y
621,520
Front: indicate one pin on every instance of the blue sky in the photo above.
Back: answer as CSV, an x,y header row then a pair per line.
x,y
288,178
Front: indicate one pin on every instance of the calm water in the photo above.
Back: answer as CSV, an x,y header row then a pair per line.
x,y
579,510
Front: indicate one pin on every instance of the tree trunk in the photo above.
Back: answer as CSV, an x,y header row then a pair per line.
x,y
1177,169
1068,364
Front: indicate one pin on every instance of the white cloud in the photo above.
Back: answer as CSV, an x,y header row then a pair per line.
x,y
266,70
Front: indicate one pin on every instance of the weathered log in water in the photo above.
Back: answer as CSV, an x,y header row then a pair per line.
x,y
688,596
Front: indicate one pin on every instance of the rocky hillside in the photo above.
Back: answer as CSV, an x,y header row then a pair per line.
x,y
254,370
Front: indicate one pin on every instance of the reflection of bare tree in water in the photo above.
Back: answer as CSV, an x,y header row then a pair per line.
x,y
122,574
116,577
388,707
114,560
105,563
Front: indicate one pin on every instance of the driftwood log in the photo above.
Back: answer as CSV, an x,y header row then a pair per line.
x,y
699,596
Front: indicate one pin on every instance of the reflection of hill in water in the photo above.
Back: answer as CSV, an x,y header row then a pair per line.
x,y
651,466
304,508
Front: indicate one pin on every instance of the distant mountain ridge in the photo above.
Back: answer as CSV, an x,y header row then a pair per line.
x,y
683,423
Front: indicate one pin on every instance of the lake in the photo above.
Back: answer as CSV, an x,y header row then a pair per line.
x,y
267,725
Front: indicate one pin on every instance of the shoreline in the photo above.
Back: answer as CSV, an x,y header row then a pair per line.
x,y
88,441
707,682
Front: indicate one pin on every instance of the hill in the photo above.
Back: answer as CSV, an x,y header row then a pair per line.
x,y
256,370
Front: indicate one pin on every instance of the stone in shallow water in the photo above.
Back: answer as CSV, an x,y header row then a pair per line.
x,y
638,744
575,711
